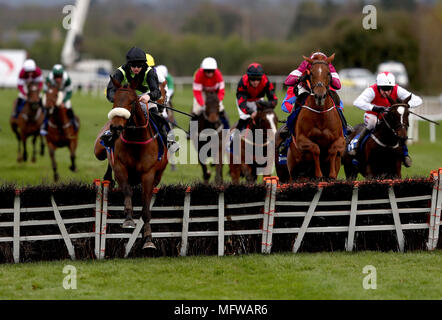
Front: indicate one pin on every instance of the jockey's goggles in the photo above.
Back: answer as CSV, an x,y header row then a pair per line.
x,y
209,70
385,88
254,78
137,64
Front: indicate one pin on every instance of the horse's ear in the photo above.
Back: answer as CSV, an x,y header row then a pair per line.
x,y
331,58
307,59
408,99
115,82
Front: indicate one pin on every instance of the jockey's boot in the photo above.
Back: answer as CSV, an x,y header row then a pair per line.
x,y
283,134
353,146
407,159
165,130
345,126
44,125
224,119
71,116
19,104
242,123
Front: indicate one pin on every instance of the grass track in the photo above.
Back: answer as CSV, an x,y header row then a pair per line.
x,y
336,275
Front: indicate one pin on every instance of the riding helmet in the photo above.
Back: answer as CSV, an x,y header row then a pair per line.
x,y
255,70
135,54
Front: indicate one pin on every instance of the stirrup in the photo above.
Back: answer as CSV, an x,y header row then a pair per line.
x,y
43,132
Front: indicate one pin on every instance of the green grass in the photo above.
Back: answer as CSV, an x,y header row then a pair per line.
x,y
93,111
337,275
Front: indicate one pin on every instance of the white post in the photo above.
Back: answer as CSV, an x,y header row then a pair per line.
x,y
397,219
265,219
307,219
98,200
16,242
221,224
104,214
185,229
352,225
62,227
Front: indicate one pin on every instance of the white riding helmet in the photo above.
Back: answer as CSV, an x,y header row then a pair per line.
x,y
385,79
209,63
162,69
29,65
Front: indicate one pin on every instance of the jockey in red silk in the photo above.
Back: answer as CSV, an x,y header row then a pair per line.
x,y
252,87
373,101
208,78
30,72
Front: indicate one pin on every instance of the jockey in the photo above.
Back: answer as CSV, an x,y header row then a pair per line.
x,y
166,87
60,78
252,87
30,72
298,92
373,101
137,69
208,78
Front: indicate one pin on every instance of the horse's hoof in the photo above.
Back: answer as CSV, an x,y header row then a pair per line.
x,y
33,160
149,245
73,169
56,177
128,224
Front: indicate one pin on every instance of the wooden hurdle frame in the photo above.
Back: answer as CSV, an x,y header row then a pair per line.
x,y
267,211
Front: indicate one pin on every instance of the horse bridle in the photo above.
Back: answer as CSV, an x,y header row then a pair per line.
x,y
393,130
319,84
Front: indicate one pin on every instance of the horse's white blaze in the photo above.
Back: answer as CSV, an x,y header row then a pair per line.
x,y
401,111
270,118
118,112
60,97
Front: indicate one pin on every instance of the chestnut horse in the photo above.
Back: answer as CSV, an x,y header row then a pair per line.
x,y
381,154
210,119
318,144
246,163
61,132
136,156
28,123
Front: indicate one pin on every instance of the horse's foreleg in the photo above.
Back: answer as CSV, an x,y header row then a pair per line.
x,y
25,151
42,146
108,175
147,181
128,208
34,149
72,148
206,173
53,162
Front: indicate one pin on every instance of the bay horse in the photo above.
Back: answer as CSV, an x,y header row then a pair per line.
x,y
210,119
318,143
242,165
139,154
380,156
61,132
28,123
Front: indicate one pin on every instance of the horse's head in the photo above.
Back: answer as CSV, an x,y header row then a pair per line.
x,y
396,118
320,77
33,96
53,97
125,101
211,113
265,117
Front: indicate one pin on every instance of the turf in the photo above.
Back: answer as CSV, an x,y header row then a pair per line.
x,y
336,275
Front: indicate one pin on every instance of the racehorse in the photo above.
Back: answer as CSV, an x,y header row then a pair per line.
x,y
242,164
318,143
381,154
139,153
210,119
61,132
28,123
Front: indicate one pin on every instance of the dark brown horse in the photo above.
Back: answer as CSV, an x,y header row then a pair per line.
x,y
210,119
136,157
28,123
61,132
318,144
248,160
381,155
